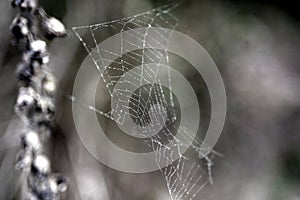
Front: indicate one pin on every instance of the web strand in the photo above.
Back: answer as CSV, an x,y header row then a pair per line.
x,y
185,177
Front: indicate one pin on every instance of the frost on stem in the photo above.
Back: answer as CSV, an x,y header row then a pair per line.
x,y
35,100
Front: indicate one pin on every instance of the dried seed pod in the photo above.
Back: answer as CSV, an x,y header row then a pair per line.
x,y
45,129
34,103
30,141
49,85
46,107
19,29
26,100
58,185
52,187
29,74
41,113
25,5
37,52
62,182
53,28
45,188
24,161
40,166
25,72
33,108
38,46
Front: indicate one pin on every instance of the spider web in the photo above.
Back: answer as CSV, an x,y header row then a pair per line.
x,y
151,104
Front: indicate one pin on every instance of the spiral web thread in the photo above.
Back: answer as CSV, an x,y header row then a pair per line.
x,y
188,175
